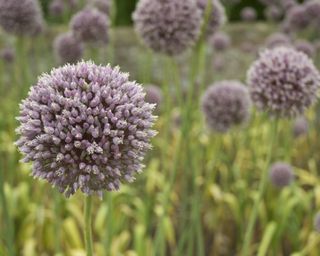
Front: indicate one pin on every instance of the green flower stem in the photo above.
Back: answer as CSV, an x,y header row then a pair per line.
x,y
262,188
88,225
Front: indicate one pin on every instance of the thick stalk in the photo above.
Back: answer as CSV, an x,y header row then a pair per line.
x,y
88,225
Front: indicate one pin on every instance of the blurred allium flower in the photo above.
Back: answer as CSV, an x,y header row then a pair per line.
x,y
56,8
73,3
21,17
220,41
7,54
103,5
288,4
85,127
316,222
219,63
283,82
226,104
217,17
281,174
248,14
297,19
312,8
168,26
300,126
90,26
273,13
153,95
278,39
68,48
305,47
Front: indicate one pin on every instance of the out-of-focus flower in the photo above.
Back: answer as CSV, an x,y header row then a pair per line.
x,y
56,8
67,48
85,127
90,26
153,95
316,222
21,17
168,26
283,82
297,19
220,41
226,104
248,14
305,47
277,39
300,126
281,174
7,54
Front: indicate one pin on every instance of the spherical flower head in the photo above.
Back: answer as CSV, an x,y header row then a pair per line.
x,y
283,82
90,26
217,17
168,26
103,5
67,48
56,8
300,127
220,41
7,54
273,13
153,95
288,4
85,127
278,39
316,222
226,104
312,8
281,174
248,14
20,17
297,18
305,47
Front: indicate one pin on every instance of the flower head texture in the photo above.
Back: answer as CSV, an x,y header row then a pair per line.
x,y
168,26
312,8
85,127
300,127
305,47
90,26
226,104
153,95
220,41
217,17
21,17
277,39
281,174
7,54
56,8
316,222
297,18
283,82
248,14
67,48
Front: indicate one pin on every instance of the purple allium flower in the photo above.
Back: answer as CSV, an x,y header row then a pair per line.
x,y
153,95
73,3
288,4
305,47
226,104
90,26
168,26
20,17
283,82
7,54
103,5
312,8
300,126
219,63
277,39
220,41
68,48
281,174
85,127
56,8
217,17
297,19
316,222
248,14
273,13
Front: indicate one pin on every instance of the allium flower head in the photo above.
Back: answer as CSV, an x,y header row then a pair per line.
x,y
283,82
226,104
316,222
7,54
85,127
20,17
273,13
67,48
103,5
220,41
168,26
248,14
56,8
281,174
90,26
217,17
312,8
278,39
297,18
305,47
300,127
153,95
